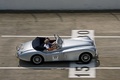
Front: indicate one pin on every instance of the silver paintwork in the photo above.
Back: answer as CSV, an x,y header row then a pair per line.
x,y
70,50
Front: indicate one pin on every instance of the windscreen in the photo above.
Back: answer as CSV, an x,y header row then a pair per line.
x,y
59,41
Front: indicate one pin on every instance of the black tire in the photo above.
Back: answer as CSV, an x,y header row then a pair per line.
x,y
37,59
85,58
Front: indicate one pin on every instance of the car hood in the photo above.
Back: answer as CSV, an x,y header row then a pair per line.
x,y
72,43
26,46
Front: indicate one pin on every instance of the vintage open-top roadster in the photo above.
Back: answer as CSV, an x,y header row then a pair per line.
x,y
81,49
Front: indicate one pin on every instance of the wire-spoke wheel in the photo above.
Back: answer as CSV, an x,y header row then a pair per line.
x,y
37,59
85,57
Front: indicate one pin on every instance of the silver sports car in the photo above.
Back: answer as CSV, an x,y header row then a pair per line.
x,y
81,49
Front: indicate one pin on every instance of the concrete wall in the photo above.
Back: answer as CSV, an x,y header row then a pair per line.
x,y
59,4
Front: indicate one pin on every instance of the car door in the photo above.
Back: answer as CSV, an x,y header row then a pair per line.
x,y
54,55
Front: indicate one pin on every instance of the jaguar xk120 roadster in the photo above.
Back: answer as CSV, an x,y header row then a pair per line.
x,y
81,49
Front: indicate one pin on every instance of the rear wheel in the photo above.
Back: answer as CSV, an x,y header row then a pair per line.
x,y
37,59
85,57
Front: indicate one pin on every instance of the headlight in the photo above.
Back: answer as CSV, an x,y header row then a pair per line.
x,y
21,52
17,48
20,47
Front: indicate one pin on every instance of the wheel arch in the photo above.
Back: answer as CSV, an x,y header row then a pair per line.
x,y
87,53
92,53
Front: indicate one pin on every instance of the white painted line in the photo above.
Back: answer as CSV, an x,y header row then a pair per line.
x,y
27,36
22,68
13,36
107,36
97,68
106,68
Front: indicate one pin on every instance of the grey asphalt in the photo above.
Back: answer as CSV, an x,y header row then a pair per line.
x,y
104,24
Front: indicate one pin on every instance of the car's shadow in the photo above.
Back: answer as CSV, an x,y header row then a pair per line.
x,y
45,64
59,64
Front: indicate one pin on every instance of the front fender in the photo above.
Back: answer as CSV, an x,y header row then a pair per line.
x,y
26,56
74,54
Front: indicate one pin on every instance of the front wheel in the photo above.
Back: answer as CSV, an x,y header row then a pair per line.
x,y
85,57
37,59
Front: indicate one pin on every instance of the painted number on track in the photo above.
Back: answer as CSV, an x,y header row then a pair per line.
x,y
82,70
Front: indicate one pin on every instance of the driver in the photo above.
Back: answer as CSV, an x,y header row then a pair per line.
x,y
49,46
